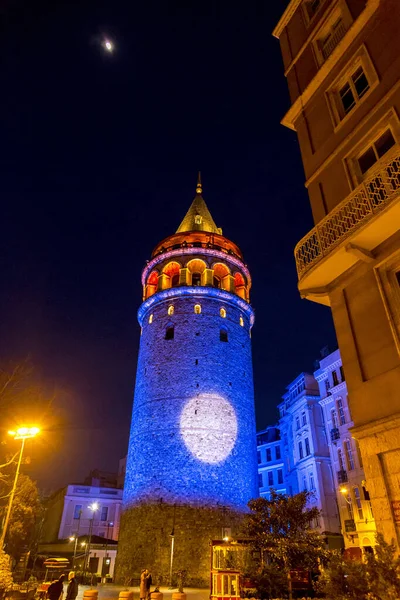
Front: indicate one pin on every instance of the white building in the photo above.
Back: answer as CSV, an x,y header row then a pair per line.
x,y
270,462
357,520
305,449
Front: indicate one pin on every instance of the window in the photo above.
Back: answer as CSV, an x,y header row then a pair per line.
x,y
335,378
307,445
311,7
312,484
222,313
277,452
350,510
175,280
381,145
150,318
258,457
280,476
171,310
216,282
360,461
327,386
334,419
332,37
104,513
196,279
297,423
198,219
301,450
268,454
340,460
349,455
169,332
339,404
342,377
270,478
241,322
197,309
368,500
260,480
358,502
223,335
305,483
353,90
77,511
303,418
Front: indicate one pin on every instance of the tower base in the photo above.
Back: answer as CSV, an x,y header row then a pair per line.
x,y
145,541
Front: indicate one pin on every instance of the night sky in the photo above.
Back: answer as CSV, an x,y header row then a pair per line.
x,y
99,158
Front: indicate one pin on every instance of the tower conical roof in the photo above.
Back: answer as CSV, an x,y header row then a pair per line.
x,y
198,217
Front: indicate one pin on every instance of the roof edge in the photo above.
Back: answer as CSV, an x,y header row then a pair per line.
x,y
289,12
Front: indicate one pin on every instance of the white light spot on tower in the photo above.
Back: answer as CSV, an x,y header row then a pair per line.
x,y
108,45
208,426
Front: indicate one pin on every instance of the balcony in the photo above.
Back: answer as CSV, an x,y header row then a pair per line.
x,y
366,218
349,525
342,476
335,435
332,41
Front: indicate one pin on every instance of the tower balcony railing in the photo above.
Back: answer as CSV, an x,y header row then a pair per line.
x,y
331,43
373,195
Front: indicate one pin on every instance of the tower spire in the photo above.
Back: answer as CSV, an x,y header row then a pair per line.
x,y
199,187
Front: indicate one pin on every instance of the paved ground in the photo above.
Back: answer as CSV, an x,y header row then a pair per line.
x,y
112,591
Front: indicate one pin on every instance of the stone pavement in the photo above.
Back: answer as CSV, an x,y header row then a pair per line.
x,y
111,592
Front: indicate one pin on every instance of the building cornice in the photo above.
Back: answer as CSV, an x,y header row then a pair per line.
x,y
196,292
376,427
285,18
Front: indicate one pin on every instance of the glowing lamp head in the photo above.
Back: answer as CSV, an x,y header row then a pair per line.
x,y
94,506
72,538
108,45
343,490
24,433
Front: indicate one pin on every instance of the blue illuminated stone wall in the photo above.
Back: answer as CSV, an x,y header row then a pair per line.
x,y
193,439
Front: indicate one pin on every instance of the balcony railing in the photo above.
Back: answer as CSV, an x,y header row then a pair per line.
x,y
335,434
349,525
342,476
328,47
373,195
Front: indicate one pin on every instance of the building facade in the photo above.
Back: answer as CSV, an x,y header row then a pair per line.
x,y
342,64
356,516
305,449
191,466
271,472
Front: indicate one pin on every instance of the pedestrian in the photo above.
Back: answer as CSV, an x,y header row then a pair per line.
x,y
72,589
143,585
56,589
149,581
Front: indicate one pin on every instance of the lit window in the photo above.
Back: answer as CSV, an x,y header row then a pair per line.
x,y
222,313
198,219
171,310
197,309
169,332
151,318
241,321
223,335
370,156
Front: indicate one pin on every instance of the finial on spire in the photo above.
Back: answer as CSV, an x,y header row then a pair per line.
x,y
199,188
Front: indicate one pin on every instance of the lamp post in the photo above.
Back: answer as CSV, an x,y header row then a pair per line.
x,y
109,524
93,507
23,433
172,536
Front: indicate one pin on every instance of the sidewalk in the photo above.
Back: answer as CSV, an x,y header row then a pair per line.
x,y
111,592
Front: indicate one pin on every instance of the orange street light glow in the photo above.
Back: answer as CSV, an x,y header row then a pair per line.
x,y
23,433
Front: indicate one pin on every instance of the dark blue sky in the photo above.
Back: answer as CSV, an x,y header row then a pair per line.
x,y
99,156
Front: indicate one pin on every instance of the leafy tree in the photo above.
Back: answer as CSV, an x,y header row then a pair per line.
x,y
5,573
24,514
281,529
344,579
384,571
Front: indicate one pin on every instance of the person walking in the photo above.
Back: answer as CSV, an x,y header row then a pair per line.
x,y
72,589
143,585
149,581
56,589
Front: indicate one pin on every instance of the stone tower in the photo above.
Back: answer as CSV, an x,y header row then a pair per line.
x,y
191,466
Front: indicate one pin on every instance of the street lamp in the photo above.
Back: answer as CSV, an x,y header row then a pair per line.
x,y
93,507
345,493
23,433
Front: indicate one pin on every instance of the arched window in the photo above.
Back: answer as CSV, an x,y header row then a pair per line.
x,y
222,313
175,280
196,279
220,276
151,318
241,321
216,282
223,335
171,310
169,332
197,309
171,274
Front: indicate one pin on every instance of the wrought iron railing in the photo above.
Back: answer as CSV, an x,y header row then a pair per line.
x,y
342,476
375,193
331,43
